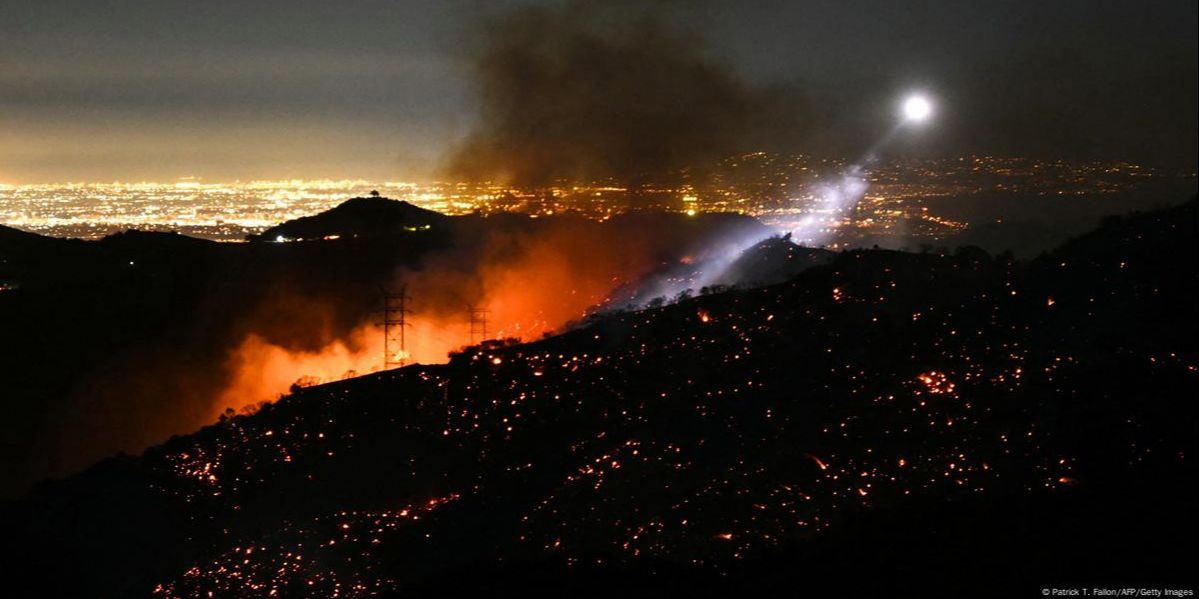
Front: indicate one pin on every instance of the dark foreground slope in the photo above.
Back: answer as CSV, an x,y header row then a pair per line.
x,y
889,422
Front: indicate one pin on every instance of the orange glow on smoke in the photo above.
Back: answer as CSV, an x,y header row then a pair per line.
x,y
529,285
263,371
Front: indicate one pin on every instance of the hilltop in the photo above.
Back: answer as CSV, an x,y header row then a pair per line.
x,y
872,424
357,217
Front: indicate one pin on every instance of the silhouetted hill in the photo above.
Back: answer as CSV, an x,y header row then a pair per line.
x,y
10,236
1151,234
152,241
773,260
12,241
357,217
889,422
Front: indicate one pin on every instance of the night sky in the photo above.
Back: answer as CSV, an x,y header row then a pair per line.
x,y
158,89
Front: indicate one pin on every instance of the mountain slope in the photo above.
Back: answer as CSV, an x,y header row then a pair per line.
x,y
921,416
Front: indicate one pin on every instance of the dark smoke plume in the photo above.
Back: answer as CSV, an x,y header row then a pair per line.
x,y
581,94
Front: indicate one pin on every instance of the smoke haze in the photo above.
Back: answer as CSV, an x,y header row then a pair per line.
x,y
580,93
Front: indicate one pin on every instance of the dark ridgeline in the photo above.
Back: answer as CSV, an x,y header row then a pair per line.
x,y
887,422
113,345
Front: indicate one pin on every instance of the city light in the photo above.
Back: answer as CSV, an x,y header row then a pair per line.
x,y
787,192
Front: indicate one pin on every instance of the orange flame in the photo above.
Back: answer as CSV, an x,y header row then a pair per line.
x,y
529,285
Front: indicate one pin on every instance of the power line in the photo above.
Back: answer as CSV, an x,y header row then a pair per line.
x,y
395,321
478,324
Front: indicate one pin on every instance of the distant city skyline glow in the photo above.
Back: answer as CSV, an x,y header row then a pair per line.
x,y
225,91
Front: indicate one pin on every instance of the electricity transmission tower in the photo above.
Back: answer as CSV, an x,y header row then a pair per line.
x,y
395,320
478,324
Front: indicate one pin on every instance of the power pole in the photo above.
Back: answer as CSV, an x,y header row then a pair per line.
x,y
478,324
395,320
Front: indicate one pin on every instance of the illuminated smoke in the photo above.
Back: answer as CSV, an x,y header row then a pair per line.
x,y
533,276
837,199
834,202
